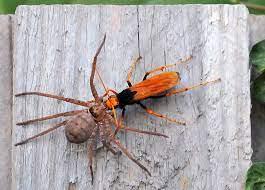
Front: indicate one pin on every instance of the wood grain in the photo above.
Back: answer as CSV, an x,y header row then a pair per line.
x,y
54,46
5,101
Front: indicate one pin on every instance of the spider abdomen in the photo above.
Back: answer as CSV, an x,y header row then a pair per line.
x,y
80,128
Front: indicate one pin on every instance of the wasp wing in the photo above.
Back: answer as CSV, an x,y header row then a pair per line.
x,y
155,85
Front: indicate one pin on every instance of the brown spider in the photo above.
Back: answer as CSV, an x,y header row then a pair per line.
x,y
88,124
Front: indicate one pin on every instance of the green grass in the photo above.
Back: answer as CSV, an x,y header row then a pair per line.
x,y
7,6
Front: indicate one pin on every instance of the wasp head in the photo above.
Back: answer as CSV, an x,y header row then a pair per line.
x,y
112,102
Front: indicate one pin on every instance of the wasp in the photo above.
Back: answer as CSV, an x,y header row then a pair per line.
x,y
157,86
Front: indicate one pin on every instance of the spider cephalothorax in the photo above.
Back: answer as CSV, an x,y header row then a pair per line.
x,y
97,111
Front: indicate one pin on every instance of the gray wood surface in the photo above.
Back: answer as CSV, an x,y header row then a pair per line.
x,y
5,101
53,53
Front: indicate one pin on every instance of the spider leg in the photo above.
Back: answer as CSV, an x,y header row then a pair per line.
x,y
143,132
161,68
90,158
121,126
70,100
92,86
109,148
176,91
149,111
128,154
42,133
69,113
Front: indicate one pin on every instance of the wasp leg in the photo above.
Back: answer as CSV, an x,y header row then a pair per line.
x,y
42,133
70,100
126,152
131,70
119,126
64,114
176,91
122,115
108,91
161,68
149,111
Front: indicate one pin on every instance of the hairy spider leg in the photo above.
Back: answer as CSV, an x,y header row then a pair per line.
x,y
90,158
92,75
69,100
64,114
129,155
143,132
42,133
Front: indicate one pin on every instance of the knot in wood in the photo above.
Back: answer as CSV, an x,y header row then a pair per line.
x,y
80,128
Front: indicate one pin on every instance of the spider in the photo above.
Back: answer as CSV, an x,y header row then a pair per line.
x,y
94,122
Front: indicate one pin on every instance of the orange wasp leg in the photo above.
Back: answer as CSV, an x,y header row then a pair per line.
x,y
161,68
107,94
120,125
108,91
176,91
151,112
133,65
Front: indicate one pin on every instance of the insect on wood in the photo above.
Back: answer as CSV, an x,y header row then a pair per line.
x,y
94,122
157,86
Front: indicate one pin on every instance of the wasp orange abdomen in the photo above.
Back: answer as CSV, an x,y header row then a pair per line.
x,y
150,87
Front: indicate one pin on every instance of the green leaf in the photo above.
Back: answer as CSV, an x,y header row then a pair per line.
x,y
258,88
257,58
9,6
255,6
256,177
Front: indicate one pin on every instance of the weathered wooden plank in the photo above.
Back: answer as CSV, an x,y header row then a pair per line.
x,y
5,101
54,46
